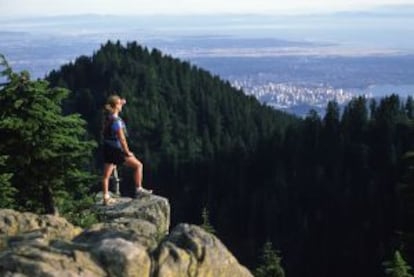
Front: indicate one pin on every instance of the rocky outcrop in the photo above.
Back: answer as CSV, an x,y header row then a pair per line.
x,y
191,251
131,240
17,227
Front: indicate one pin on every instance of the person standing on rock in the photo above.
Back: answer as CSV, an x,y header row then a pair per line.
x,y
116,150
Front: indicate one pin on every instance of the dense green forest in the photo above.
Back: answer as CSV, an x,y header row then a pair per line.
x,y
333,194
45,155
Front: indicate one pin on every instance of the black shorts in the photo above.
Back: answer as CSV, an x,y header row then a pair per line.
x,y
113,155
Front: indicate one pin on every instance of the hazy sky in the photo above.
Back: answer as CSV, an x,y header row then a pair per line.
x,y
59,7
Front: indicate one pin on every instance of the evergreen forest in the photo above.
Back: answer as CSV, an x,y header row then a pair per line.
x,y
333,193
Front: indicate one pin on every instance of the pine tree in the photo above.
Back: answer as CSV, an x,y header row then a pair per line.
x,y
397,267
47,151
406,202
270,263
7,191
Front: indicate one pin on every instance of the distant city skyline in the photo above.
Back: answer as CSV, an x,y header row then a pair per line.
x,y
24,8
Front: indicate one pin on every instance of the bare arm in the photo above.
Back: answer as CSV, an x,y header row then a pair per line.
x,y
121,136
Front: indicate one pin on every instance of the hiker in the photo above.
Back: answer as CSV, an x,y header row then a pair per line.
x,y
116,150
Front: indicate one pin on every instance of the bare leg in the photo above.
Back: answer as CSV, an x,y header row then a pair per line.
x,y
108,168
134,163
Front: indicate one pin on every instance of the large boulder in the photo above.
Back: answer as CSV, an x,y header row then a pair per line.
x,y
131,240
148,215
59,259
16,226
191,251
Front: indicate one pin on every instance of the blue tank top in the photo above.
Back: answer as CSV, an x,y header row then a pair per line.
x,y
113,125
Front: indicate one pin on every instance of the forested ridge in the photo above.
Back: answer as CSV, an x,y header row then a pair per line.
x,y
331,193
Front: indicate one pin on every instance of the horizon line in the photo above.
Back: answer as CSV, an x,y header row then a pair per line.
x,y
369,10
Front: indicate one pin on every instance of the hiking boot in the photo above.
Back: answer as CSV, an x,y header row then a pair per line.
x,y
142,192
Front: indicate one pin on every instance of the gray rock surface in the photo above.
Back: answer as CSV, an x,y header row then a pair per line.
x,y
191,251
131,240
15,227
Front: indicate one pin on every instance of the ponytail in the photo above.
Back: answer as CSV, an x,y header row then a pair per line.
x,y
111,103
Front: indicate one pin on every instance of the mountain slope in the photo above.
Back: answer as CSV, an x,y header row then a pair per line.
x,y
174,108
